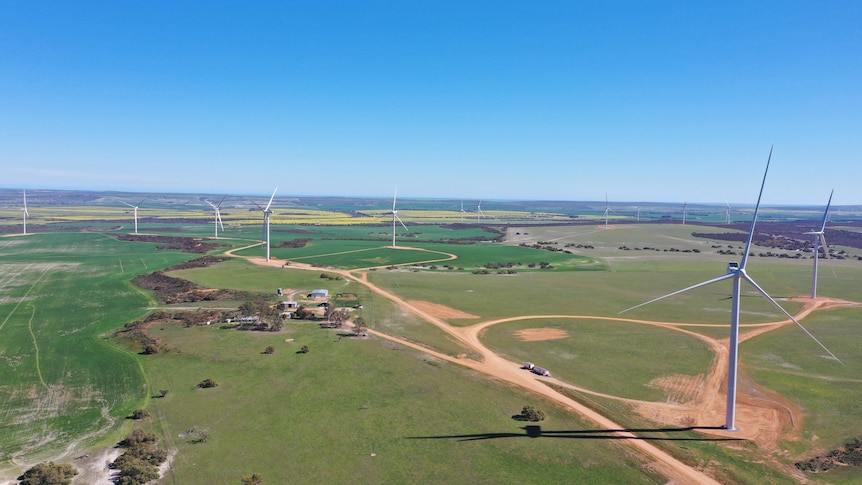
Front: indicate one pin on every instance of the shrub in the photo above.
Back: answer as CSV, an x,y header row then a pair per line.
x,y
269,350
207,383
48,474
140,414
529,413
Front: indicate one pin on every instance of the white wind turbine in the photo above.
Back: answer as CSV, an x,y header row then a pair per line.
x,y
24,210
479,213
462,211
135,207
737,274
266,213
820,238
607,209
639,213
684,211
727,213
217,209
395,217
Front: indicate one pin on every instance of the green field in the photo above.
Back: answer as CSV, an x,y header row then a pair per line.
x,y
320,416
62,381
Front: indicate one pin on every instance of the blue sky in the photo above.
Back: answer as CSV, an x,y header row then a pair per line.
x,y
648,101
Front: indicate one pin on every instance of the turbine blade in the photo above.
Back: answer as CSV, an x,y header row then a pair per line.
x,y
776,305
756,210
126,203
270,199
823,244
826,212
208,202
26,213
142,201
222,200
399,220
218,218
708,282
826,252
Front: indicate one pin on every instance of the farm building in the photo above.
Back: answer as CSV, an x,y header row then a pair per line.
x,y
288,305
319,293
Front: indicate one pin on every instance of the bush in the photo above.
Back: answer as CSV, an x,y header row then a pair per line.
x,y
48,474
529,413
140,414
207,383
303,350
254,479
269,350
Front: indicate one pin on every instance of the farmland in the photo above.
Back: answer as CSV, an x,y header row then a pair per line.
x,y
379,411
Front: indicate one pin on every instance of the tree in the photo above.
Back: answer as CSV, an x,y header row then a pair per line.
x,y
49,474
253,479
529,413
207,383
269,350
359,325
140,414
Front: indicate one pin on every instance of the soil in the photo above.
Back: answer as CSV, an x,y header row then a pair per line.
x,y
539,334
440,311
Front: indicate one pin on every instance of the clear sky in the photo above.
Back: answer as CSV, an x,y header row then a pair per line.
x,y
643,100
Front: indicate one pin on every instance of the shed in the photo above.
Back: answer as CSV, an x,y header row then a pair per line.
x,y
288,305
319,293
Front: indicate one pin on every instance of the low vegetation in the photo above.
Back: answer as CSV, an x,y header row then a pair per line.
x,y
140,461
49,473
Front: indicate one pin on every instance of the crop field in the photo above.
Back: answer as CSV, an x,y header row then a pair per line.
x,y
61,382
375,410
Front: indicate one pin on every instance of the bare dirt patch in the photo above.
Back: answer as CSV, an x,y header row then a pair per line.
x,y
539,334
440,311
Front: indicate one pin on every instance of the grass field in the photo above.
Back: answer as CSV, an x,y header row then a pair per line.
x,y
355,410
321,415
62,382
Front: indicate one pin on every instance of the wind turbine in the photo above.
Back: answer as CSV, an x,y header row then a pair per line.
x,y
607,209
266,213
727,212
217,222
684,211
395,217
24,210
639,213
136,211
819,239
462,211
479,212
737,273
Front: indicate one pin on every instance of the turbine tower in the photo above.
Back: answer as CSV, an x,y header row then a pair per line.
x,y
136,211
727,213
266,213
479,212
639,213
684,211
24,210
820,239
607,209
395,217
462,211
737,273
217,209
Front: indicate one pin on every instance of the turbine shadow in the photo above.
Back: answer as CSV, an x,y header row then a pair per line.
x,y
533,431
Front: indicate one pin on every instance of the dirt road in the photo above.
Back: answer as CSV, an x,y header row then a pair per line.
x,y
762,416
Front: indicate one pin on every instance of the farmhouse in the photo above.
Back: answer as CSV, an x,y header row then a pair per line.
x,y
319,293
